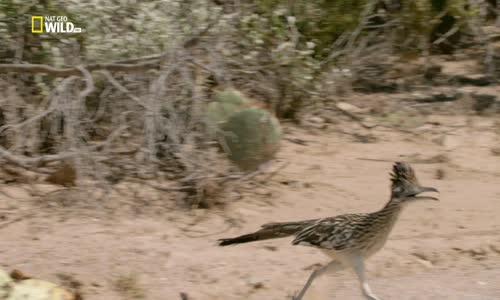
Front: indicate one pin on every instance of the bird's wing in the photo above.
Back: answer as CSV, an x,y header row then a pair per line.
x,y
297,224
288,228
335,233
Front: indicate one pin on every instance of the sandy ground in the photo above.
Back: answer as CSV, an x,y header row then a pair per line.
x,y
438,250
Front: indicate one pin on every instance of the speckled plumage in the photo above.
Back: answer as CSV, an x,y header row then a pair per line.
x,y
351,231
348,238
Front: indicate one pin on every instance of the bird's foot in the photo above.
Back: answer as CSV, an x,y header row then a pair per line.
x,y
372,297
296,297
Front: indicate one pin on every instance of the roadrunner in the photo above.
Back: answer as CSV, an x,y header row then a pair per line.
x,y
348,239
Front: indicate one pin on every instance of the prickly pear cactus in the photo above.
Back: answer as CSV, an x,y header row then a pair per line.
x,y
251,137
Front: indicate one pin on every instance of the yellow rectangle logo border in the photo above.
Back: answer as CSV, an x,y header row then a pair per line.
x,y
33,18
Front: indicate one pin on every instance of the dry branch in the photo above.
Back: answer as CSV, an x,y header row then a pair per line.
x,y
122,89
89,82
30,163
75,71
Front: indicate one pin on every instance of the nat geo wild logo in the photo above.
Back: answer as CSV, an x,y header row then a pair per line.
x,y
53,24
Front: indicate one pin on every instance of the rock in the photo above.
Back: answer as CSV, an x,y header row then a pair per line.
x,y
316,120
473,79
365,138
5,283
16,287
425,128
425,263
424,259
255,283
438,96
483,101
348,107
369,122
375,86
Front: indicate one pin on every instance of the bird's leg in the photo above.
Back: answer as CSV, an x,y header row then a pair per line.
x,y
331,267
359,268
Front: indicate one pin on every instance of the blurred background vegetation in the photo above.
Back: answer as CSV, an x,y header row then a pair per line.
x,y
289,57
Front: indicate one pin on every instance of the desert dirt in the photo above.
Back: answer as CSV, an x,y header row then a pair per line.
x,y
438,250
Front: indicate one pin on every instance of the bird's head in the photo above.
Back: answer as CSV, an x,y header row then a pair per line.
x,y
405,186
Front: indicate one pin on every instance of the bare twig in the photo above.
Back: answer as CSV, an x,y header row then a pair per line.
x,y
121,88
273,173
137,59
54,105
160,187
476,24
445,36
75,71
354,117
89,88
30,163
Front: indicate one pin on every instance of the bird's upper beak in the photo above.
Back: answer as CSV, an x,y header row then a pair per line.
x,y
423,189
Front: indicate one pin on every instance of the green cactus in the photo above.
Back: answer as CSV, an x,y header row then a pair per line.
x,y
232,96
226,103
248,134
251,137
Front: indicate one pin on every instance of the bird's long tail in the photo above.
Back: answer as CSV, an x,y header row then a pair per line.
x,y
268,231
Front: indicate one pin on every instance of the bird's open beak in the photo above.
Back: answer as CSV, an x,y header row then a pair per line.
x,y
424,189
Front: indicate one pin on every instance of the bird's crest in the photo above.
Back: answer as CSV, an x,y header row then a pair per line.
x,y
402,177
402,171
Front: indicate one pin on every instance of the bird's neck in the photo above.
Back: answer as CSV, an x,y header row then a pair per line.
x,y
394,205
391,210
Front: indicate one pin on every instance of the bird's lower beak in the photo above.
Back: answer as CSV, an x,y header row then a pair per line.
x,y
425,189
